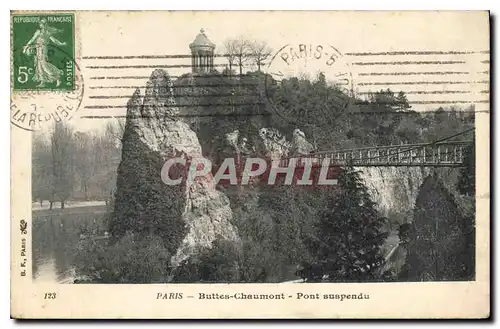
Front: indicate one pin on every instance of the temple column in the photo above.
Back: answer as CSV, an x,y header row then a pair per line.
x,y
202,50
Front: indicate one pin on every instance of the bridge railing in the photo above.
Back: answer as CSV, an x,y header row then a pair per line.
x,y
437,154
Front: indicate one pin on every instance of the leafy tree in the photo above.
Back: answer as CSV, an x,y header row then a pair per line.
x,y
409,130
381,116
402,101
445,122
467,187
467,180
436,247
348,235
144,204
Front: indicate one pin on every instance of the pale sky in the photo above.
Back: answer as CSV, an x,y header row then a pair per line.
x,y
456,44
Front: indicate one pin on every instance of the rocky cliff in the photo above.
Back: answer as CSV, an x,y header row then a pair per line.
x,y
186,216
395,189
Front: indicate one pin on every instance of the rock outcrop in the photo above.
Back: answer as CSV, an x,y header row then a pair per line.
x,y
273,144
186,216
300,145
270,143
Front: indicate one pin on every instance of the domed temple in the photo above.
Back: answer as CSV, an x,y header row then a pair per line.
x,y
202,54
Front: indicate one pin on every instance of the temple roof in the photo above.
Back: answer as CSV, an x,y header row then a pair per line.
x,y
202,41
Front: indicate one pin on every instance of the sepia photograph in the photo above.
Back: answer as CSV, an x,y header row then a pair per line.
x,y
168,148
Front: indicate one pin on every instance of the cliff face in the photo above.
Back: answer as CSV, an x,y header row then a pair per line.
x,y
394,189
186,216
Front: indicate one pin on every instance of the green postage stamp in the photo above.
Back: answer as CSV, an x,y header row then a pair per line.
x,y
43,49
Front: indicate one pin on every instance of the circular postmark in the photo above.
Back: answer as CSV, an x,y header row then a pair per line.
x,y
317,63
46,87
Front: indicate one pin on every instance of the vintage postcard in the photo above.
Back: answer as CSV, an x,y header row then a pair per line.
x,y
216,165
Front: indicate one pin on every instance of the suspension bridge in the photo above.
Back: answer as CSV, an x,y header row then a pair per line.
x,y
444,152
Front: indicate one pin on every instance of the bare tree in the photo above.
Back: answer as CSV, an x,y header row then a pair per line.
x,y
65,158
115,129
107,155
230,53
83,164
41,177
260,52
238,51
62,162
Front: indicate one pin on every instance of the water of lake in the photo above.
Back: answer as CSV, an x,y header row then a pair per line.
x,y
55,236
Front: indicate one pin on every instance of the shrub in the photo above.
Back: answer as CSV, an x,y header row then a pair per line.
x,y
129,260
